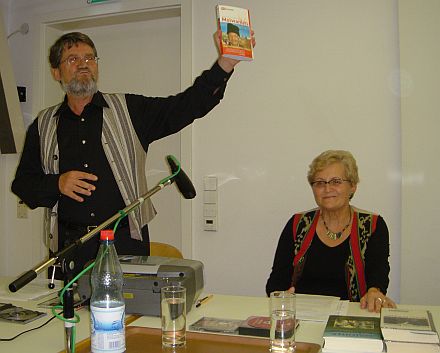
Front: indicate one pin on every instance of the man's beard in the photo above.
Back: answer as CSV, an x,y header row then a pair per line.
x,y
80,88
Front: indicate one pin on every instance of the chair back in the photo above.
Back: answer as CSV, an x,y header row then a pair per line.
x,y
165,250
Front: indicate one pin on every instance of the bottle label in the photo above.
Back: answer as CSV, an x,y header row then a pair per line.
x,y
108,329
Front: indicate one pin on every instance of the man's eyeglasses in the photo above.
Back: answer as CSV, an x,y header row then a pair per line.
x,y
334,182
75,60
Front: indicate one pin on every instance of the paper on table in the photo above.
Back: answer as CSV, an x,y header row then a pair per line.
x,y
319,307
35,290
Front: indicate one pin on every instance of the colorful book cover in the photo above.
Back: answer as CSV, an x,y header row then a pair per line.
x,y
235,25
213,324
257,326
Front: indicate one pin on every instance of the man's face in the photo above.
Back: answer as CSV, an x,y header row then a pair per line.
x,y
234,39
78,70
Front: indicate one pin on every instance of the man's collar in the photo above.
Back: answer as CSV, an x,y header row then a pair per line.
x,y
97,100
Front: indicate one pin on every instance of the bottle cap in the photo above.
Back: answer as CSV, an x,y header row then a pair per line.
x,y
107,234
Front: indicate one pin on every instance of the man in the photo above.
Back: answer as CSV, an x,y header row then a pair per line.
x,y
233,35
84,159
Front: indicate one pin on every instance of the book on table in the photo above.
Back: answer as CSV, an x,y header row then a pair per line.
x,y
214,324
409,328
257,326
406,347
344,333
236,38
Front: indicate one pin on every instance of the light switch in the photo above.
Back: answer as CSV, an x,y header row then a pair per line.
x,y
210,210
210,223
210,183
210,207
209,196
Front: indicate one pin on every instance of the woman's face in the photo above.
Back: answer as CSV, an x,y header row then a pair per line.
x,y
331,188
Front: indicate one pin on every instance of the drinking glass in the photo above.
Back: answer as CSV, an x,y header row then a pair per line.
x,y
282,322
173,313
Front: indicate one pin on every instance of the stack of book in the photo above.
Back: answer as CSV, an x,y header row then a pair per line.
x,y
409,331
352,334
396,331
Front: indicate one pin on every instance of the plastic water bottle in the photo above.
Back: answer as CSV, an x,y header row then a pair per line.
x,y
107,307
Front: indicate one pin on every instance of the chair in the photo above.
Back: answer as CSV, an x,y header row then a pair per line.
x,y
165,250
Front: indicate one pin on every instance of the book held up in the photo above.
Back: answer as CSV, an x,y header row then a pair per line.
x,y
236,39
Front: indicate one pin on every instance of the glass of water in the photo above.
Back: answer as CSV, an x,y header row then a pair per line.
x,y
282,322
173,313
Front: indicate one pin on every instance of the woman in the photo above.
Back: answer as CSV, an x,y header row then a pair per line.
x,y
334,249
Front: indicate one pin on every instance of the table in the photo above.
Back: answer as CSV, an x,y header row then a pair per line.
x,y
50,338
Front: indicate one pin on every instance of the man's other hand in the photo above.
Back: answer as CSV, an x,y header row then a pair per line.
x,y
75,182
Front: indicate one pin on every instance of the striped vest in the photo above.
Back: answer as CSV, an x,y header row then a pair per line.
x,y
364,224
124,153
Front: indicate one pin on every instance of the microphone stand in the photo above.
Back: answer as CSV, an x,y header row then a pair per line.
x,y
60,258
68,310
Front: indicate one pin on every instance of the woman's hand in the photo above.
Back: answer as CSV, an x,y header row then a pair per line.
x,y
374,300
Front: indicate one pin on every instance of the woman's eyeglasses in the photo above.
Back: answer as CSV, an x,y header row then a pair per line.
x,y
334,182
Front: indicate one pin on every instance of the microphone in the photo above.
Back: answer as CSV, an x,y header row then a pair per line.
x,y
183,183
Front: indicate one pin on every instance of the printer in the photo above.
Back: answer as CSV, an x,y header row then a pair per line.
x,y
144,276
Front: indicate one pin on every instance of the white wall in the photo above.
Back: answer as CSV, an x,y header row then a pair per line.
x,y
325,75
420,61
19,250
320,80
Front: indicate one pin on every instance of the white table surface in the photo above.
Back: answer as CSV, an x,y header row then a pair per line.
x,y
241,307
50,338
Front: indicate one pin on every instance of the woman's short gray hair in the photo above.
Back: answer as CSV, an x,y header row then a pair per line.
x,y
334,156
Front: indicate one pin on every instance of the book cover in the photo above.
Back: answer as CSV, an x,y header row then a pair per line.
x,y
414,326
235,25
213,324
257,326
353,333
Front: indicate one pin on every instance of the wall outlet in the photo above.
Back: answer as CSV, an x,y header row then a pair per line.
x,y
22,209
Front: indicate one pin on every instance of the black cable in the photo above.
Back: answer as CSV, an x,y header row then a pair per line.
x,y
21,333
77,305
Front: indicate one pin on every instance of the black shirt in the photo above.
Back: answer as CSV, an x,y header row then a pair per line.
x,y
320,258
80,148
324,271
